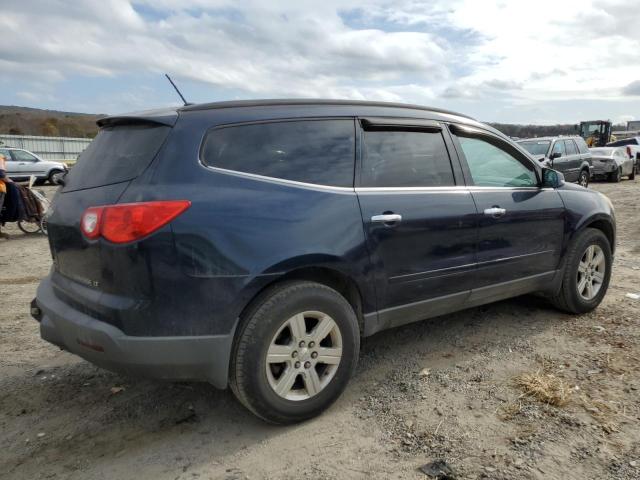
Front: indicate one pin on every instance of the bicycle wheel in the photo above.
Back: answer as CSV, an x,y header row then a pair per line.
x,y
29,227
43,226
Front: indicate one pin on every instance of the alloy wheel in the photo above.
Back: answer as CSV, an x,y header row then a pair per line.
x,y
591,272
304,355
584,179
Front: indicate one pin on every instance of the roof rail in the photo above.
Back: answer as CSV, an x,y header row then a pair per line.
x,y
312,101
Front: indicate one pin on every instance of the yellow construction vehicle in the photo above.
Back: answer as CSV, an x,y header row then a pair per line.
x,y
597,133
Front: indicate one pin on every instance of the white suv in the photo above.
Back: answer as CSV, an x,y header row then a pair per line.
x,y
21,164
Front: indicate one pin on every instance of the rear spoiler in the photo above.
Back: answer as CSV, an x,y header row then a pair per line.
x,y
161,117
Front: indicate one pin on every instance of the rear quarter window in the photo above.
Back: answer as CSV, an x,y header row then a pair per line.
x,y
320,152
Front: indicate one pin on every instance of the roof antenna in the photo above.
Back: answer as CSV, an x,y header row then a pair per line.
x,y
174,86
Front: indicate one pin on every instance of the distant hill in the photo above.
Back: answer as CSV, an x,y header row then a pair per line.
x,y
33,121
530,131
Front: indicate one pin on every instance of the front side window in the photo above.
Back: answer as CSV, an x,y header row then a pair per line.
x,y
310,151
405,159
491,166
22,156
558,147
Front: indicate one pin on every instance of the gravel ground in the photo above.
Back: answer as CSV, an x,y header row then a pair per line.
x,y
444,389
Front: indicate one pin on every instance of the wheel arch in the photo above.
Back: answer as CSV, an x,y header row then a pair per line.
x,y
330,276
602,223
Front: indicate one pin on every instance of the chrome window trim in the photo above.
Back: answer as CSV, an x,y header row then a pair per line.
x,y
450,189
281,181
370,190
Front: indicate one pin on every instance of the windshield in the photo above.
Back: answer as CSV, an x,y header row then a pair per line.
x,y
536,148
588,129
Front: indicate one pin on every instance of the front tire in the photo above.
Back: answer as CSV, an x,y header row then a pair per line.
x,y
583,178
296,351
55,176
586,274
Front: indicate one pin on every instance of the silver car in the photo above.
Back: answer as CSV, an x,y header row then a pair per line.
x,y
22,164
612,162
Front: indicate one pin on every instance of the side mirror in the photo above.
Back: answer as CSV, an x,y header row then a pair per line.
x,y
552,178
555,155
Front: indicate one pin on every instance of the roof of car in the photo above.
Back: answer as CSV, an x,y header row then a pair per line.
x,y
549,138
313,101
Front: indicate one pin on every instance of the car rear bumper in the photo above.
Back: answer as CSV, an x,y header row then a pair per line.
x,y
603,169
199,358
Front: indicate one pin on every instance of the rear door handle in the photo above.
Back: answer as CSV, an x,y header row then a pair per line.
x,y
495,211
386,218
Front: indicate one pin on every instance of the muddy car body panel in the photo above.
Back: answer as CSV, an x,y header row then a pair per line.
x,y
168,304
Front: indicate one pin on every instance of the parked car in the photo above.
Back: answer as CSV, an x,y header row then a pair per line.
x,y
22,164
613,163
569,155
632,147
252,244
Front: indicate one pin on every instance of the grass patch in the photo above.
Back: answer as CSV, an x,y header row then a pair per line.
x,y
544,387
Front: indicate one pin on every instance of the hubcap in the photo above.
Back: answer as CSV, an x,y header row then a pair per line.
x,y
591,270
583,179
304,355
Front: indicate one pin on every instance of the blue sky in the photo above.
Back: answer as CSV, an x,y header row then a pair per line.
x,y
497,60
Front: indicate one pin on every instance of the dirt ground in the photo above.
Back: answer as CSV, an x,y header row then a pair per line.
x,y
447,389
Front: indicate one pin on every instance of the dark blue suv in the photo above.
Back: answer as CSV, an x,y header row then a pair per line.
x,y
254,243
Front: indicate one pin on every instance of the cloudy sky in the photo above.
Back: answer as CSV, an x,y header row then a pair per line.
x,y
498,60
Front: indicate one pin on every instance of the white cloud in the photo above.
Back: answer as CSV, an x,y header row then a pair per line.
x,y
514,53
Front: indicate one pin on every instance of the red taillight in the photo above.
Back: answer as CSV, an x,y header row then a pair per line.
x,y
629,151
128,222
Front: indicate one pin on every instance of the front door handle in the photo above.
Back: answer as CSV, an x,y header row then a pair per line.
x,y
495,211
386,218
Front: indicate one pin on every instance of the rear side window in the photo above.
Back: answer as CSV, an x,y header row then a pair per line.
x,y
310,151
117,154
405,159
582,146
570,147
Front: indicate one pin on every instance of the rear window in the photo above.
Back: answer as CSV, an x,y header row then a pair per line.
x,y
602,151
310,151
117,154
622,143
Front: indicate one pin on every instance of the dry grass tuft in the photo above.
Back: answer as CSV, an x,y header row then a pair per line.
x,y
545,387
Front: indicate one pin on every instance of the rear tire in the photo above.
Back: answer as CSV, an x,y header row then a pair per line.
x,y
616,176
282,368
579,271
632,175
